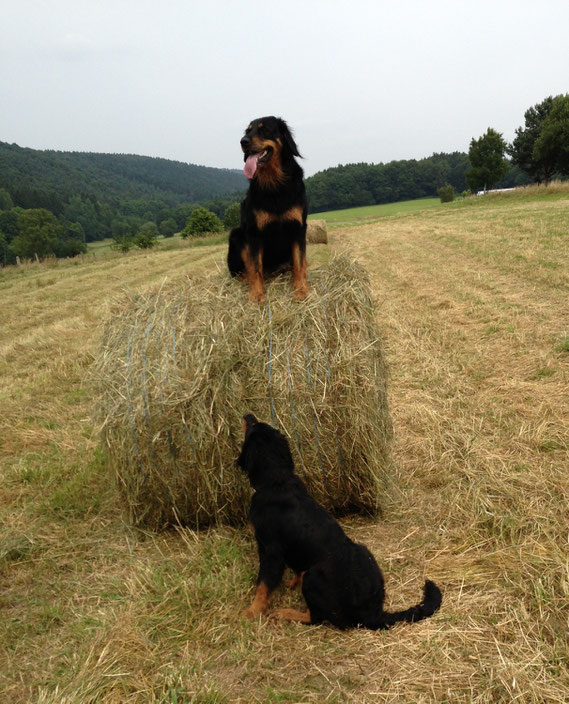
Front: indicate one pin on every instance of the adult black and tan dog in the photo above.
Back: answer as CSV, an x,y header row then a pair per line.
x,y
271,236
341,581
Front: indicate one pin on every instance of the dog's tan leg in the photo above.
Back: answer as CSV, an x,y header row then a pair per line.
x,y
260,602
299,282
292,615
254,274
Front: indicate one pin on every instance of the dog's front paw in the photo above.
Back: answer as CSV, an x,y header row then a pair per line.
x,y
256,609
257,295
290,615
278,614
301,292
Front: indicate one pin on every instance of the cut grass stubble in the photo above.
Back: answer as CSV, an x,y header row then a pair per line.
x,y
96,612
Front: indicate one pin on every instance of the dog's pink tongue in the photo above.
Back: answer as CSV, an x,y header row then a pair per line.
x,y
251,166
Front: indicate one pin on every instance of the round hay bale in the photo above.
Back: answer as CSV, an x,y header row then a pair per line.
x,y
180,366
316,232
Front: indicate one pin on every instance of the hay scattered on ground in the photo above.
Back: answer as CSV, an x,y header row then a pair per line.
x,y
179,366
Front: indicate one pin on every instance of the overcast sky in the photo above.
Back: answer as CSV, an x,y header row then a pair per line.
x,y
357,81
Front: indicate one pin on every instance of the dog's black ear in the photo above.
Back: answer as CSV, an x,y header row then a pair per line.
x,y
250,458
247,454
242,459
287,137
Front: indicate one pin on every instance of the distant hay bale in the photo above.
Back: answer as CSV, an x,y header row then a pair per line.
x,y
316,232
179,366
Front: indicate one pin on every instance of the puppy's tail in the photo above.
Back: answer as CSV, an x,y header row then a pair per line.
x,y
432,599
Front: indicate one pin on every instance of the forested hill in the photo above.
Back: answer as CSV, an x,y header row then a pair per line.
x,y
49,179
55,202
367,184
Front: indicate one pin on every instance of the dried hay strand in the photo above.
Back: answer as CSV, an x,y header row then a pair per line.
x,y
179,366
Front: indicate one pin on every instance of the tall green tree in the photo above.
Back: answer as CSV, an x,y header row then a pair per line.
x,y
83,211
9,220
6,202
486,155
3,249
168,227
39,232
522,150
74,231
200,222
232,216
552,145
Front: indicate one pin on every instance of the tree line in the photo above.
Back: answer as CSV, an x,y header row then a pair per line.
x,y
540,148
539,152
48,179
353,185
57,202
27,232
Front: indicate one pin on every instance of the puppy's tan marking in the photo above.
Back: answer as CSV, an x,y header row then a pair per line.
x,y
260,602
291,615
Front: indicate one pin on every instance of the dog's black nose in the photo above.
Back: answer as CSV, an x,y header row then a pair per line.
x,y
245,142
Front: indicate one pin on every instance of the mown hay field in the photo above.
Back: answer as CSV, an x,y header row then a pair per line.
x,y
472,306
355,216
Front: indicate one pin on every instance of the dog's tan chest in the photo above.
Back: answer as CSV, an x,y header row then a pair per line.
x,y
264,217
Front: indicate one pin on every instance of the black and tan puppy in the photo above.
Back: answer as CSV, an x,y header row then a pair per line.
x,y
272,234
341,581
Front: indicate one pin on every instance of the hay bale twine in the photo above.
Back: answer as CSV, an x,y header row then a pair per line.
x,y
179,366
316,232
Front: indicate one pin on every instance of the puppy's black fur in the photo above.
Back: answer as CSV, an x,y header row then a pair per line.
x,y
341,581
271,236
